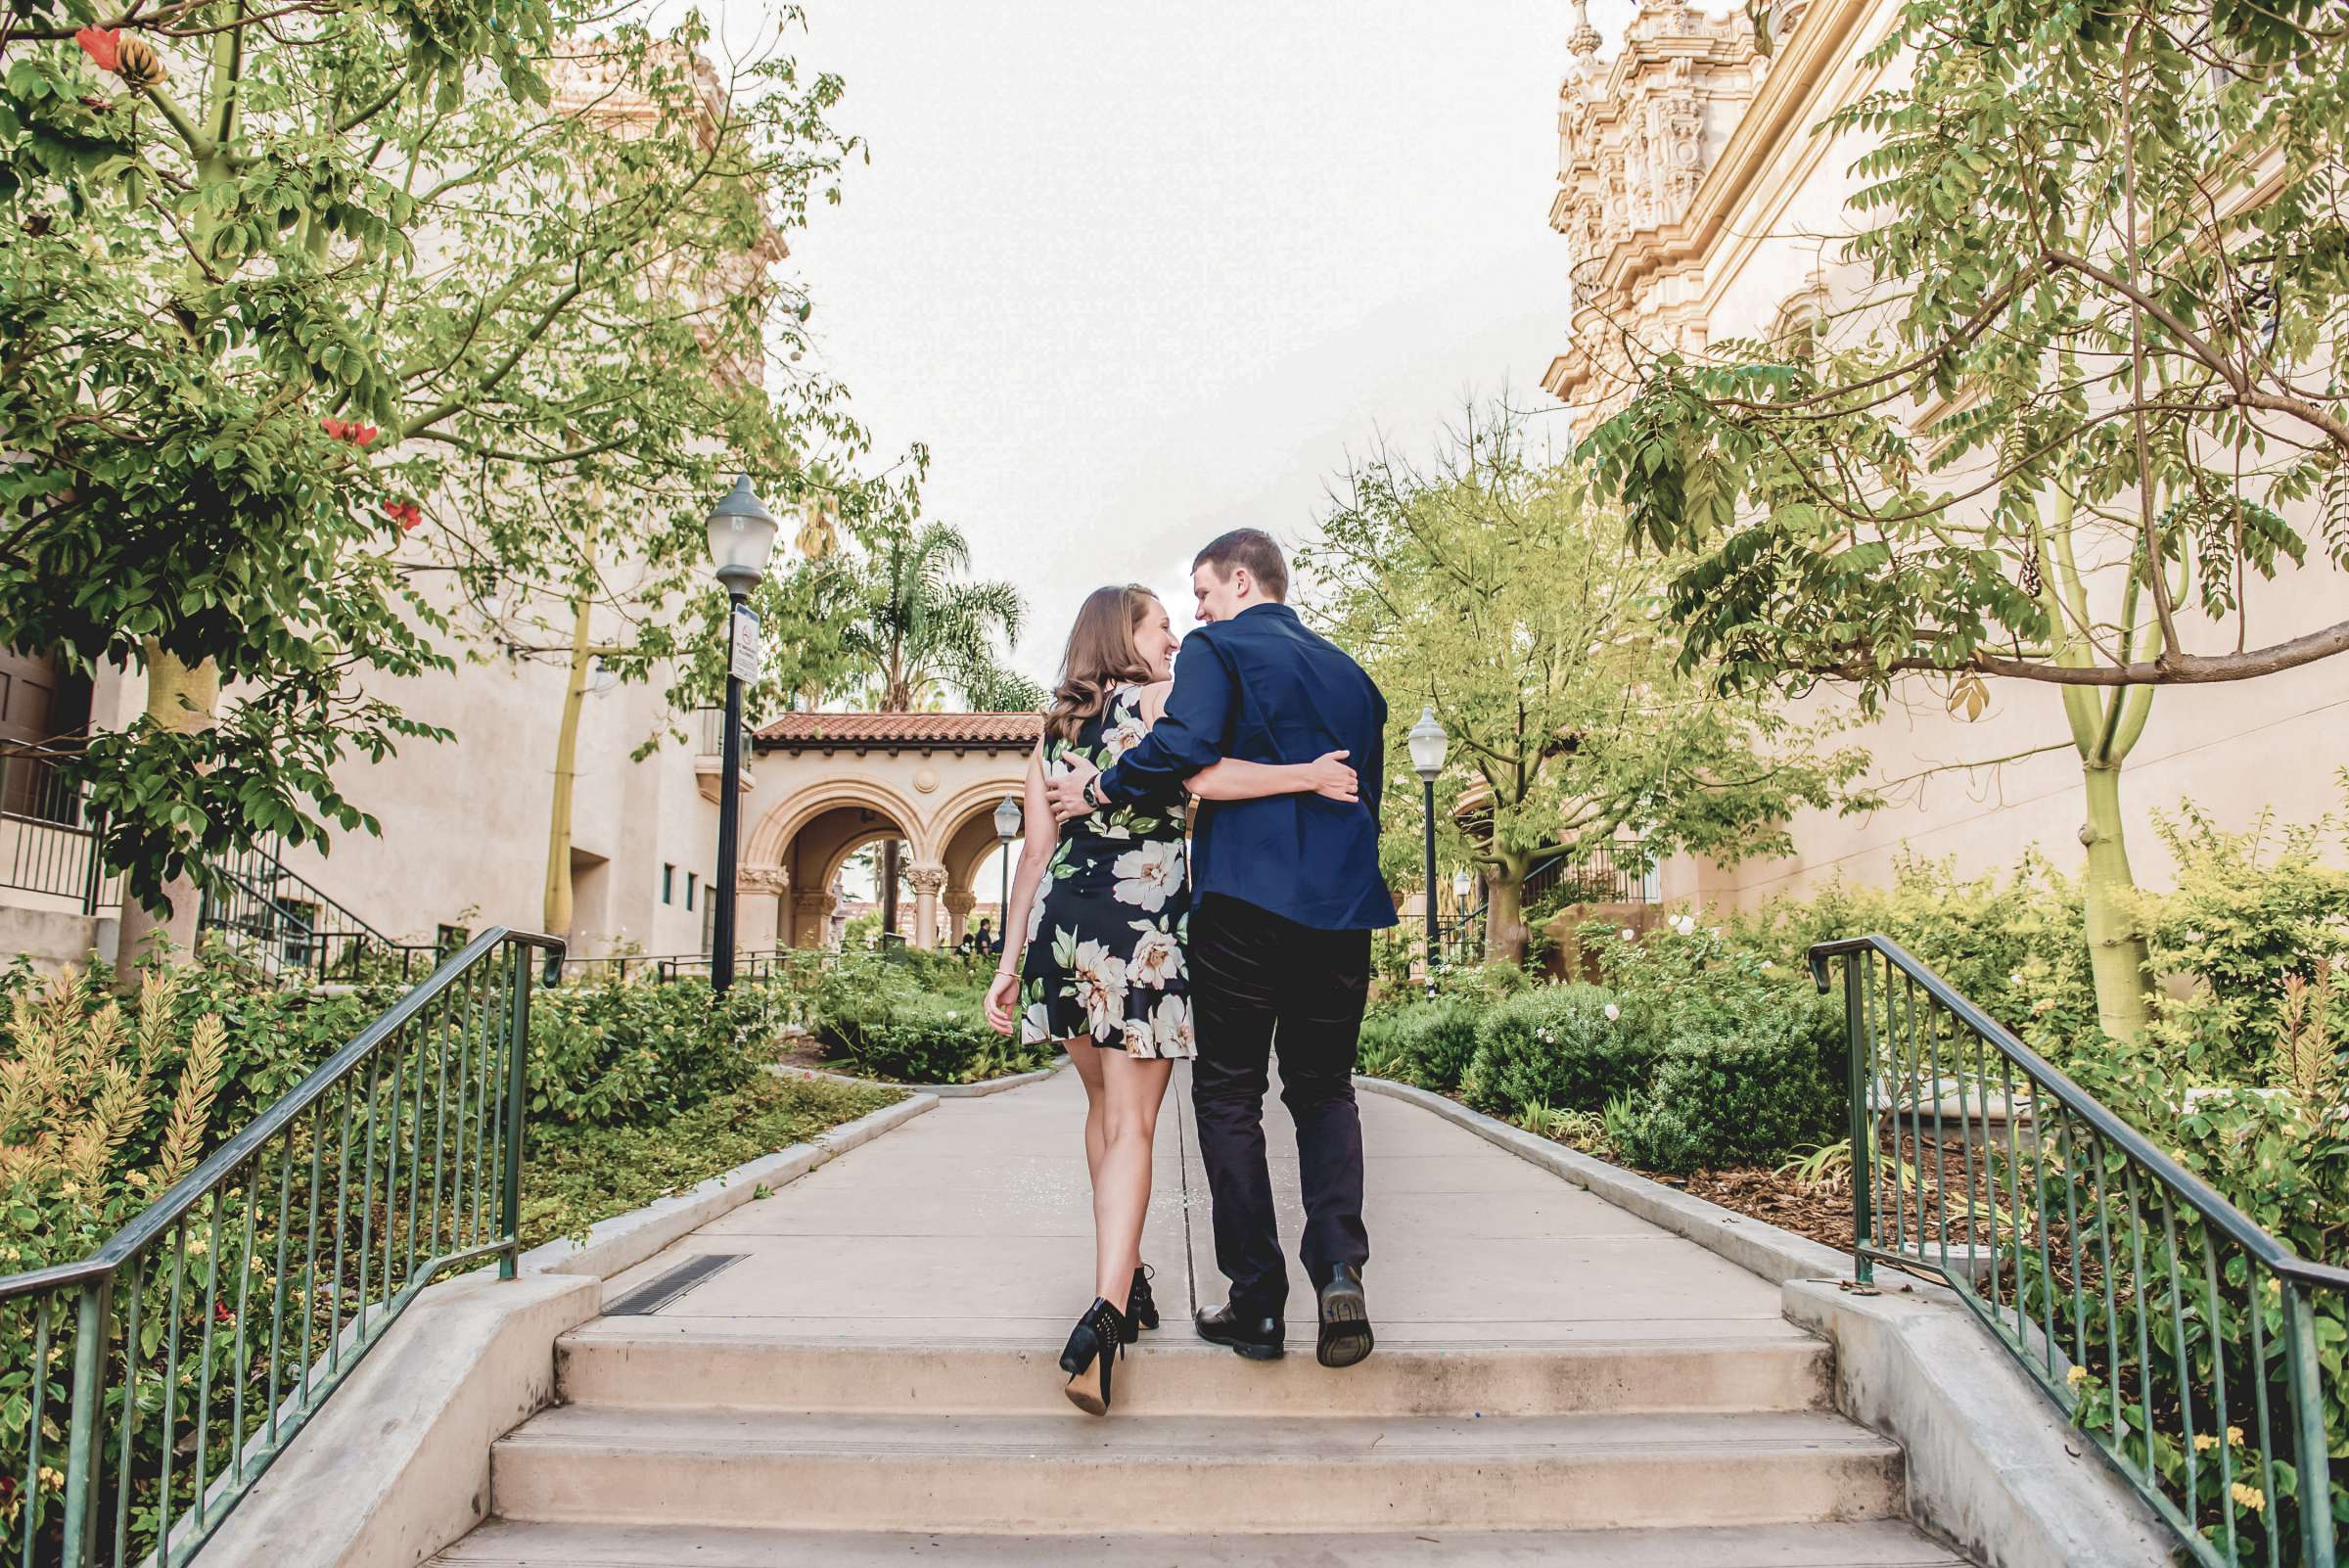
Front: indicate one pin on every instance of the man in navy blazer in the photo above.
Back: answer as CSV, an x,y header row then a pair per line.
x,y
1286,893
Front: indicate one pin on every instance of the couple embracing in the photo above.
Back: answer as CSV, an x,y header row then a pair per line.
x,y
1254,937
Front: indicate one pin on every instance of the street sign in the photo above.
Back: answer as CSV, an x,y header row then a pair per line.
x,y
743,658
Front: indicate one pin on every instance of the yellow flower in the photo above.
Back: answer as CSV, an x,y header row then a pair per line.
x,y
2076,1376
53,1480
2204,1442
2249,1496
2234,1437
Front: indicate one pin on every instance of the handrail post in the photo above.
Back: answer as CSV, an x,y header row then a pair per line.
x,y
1859,1062
80,1546
95,879
2310,1465
518,1049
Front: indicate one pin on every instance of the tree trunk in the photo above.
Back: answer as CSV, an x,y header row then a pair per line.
x,y
558,907
186,700
1506,934
891,850
2117,952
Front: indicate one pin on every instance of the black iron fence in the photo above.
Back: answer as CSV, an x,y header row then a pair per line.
x,y
49,836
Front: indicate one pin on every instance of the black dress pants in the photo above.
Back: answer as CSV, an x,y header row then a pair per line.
x,y
1261,980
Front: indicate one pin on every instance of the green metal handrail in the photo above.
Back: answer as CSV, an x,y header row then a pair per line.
x,y
2182,1338
273,1265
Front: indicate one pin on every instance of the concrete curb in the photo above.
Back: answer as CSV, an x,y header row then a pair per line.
x,y
1756,1245
945,1091
1990,1464
396,1464
615,1245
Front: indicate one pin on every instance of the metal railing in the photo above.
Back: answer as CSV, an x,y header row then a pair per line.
x,y
49,837
666,969
1604,873
284,923
2188,1344
148,1386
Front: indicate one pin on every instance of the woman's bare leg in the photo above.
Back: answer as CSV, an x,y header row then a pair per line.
x,y
1132,1088
1086,1057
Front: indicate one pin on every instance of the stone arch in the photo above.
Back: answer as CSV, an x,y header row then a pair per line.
x,y
771,839
966,838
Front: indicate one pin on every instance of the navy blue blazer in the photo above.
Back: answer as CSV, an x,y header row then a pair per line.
x,y
1263,688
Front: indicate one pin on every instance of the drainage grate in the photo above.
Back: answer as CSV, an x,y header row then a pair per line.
x,y
662,1289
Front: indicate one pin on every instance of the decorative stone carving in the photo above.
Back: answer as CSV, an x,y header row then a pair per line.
x,y
811,901
927,881
925,779
1636,137
960,902
764,879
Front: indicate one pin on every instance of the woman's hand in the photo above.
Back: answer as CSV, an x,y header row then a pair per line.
x,y
1002,997
1329,776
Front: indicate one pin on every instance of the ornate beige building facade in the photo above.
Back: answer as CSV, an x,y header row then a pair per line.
x,y
1699,205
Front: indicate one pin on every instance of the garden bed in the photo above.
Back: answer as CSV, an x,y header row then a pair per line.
x,y
577,1176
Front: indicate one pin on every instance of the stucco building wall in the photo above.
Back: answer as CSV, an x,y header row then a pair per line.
x,y
1683,233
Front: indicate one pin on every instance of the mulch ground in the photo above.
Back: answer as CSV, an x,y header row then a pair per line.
x,y
1825,1214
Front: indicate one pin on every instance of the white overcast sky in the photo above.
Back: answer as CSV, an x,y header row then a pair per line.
x,y
1137,274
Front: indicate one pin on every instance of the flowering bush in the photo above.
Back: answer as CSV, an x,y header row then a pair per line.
x,y
1566,1047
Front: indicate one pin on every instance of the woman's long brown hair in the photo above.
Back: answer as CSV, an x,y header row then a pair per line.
x,y
1101,654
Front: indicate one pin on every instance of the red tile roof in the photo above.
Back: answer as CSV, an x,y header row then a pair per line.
x,y
864,731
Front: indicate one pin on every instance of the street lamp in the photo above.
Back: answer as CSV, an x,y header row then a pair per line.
x,y
1008,819
742,534
1463,883
1428,744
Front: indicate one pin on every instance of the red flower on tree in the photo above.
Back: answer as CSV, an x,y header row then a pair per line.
x,y
407,514
343,430
104,46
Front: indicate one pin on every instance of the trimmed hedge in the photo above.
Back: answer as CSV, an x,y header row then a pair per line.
x,y
1558,1046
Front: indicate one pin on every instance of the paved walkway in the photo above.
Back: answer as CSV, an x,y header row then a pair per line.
x,y
974,1222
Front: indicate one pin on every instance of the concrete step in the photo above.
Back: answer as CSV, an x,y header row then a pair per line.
x,y
1874,1544
1067,1473
643,1364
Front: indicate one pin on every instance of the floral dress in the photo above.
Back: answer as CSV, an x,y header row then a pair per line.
x,y
1107,932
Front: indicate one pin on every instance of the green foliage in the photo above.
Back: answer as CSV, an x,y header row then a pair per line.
x,y
2063,251
1565,1046
2254,914
637,1055
580,1174
1433,1041
1490,588
919,629
918,1018
303,294
1741,1098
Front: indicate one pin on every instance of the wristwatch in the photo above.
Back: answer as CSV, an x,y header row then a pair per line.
x,y
1092,791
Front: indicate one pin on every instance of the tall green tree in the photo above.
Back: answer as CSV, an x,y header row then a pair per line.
x,y
1489,586
316,325
2092,390
923,631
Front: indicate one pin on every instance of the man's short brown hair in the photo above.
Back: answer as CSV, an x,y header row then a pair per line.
x,y
1254,549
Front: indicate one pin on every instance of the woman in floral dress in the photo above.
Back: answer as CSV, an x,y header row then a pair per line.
x,y
1104,908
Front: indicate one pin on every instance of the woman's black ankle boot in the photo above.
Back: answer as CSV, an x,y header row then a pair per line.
x,y
1094,1345
1141,1310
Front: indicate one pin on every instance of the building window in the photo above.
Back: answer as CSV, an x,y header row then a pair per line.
x,y
689,879
668,884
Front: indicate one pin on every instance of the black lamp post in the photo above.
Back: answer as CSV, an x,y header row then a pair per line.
x,y
742,534
1428,744
1008,818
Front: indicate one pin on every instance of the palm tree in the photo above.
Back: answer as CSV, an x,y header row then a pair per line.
x,y
923,631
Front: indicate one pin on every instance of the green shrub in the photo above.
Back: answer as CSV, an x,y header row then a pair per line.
x,y
914,1019
617,1055
1568,1048
1744,1098
1431,1042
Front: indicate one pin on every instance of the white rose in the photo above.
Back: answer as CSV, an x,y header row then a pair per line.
x,y
1613,1013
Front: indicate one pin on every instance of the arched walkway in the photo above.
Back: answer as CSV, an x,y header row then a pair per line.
x,y
824,785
